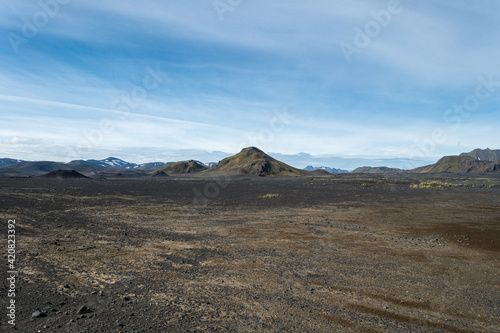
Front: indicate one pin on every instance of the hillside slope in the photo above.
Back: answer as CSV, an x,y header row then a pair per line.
x,y
181,167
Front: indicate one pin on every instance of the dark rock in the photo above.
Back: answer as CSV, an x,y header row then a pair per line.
x,y
84,310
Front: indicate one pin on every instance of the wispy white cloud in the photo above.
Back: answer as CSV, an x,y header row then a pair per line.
x,y
21,140
225,79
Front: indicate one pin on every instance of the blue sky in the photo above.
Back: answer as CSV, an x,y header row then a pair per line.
x,y
158,80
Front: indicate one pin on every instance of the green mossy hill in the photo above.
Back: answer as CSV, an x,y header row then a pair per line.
x,y
180,167
459,164
253,161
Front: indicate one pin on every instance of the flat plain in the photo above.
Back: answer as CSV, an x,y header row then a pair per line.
x,y
343,253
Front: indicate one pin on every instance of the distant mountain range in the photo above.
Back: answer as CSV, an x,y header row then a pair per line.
x,y
8,161
250,161
33,168
116,163
208,165
477,161
327,169
368,169
108,165
110,162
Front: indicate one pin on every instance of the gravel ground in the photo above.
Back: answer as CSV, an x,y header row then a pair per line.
x,y
347,253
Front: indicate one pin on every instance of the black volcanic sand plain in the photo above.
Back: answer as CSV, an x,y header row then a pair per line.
x,y
344,253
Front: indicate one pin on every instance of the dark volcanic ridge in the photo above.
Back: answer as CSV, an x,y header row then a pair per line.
x,y
63,174
476,161
460,164
487,154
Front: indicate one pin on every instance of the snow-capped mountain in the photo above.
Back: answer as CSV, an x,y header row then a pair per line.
x,y
116,163
113,162
8,161
151,166
331,170
206,165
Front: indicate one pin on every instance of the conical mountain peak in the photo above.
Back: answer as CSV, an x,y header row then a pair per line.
x,y
253,161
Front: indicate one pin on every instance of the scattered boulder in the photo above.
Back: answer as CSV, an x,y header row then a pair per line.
x,y
38,314
84,310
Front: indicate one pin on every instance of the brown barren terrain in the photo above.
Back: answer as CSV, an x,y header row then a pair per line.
x,y
343,253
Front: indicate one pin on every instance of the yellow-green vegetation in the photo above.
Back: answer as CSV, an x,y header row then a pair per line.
x,y
271,196
433,183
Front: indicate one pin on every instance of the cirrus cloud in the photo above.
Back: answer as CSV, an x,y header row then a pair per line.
x,y
19,140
